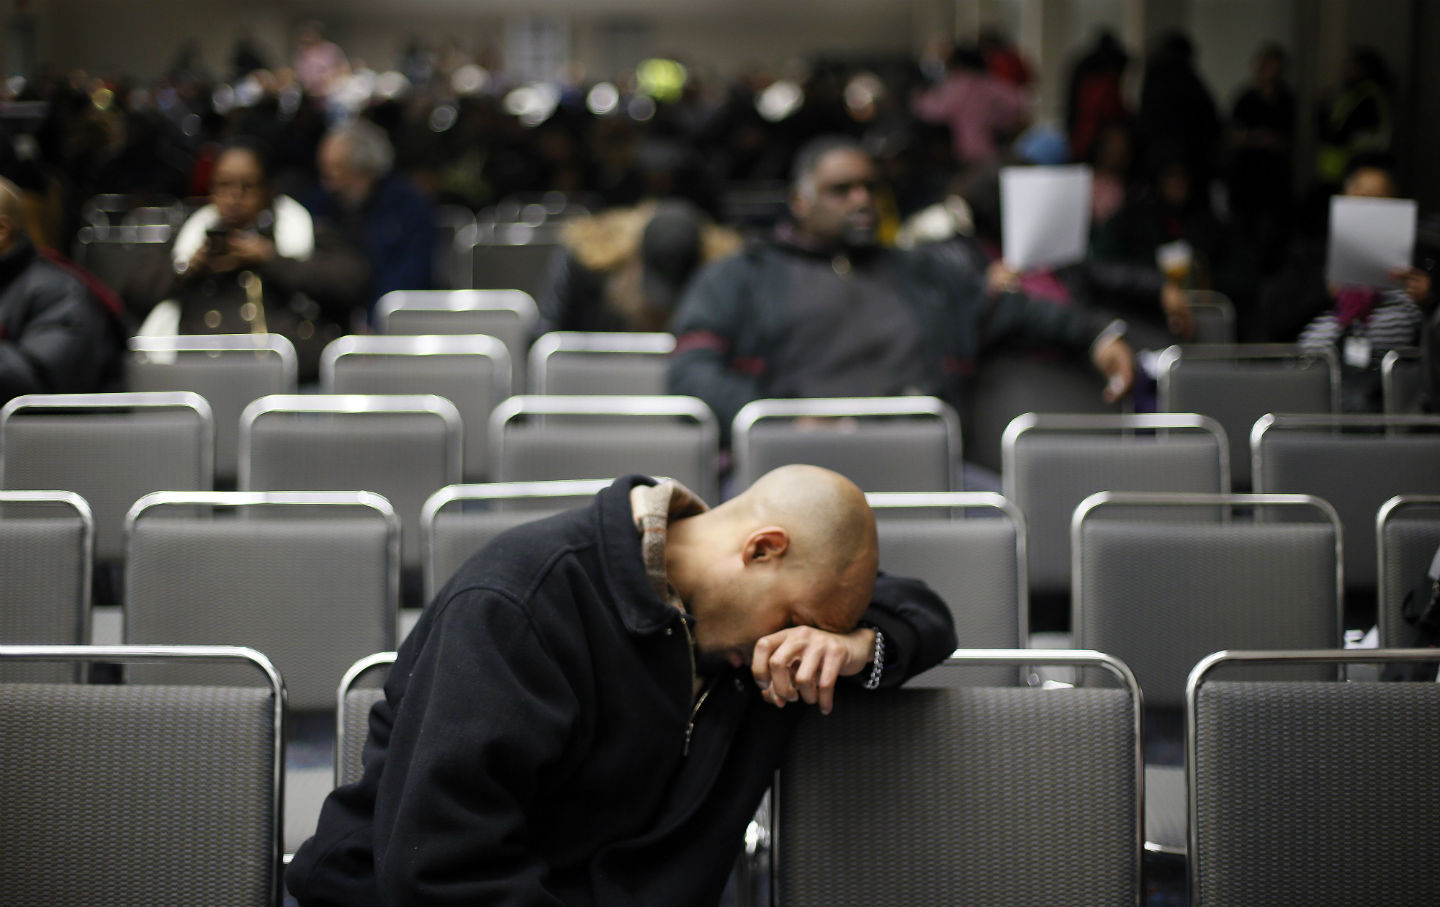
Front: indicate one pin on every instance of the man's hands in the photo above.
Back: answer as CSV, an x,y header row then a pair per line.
x,y
805,662
1116,361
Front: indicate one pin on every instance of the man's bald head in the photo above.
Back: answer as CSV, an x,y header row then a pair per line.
x,y
831,526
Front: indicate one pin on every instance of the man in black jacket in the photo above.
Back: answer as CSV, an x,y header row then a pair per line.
x,y
591,709
823,310
54,338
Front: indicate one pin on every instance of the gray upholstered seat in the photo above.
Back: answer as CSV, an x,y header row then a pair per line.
x,y
310,578
472,371
1312,792
141,795
880,443
228,370
46,538
1354,462
539,437
360,688
1054,461
507,314
403,446
1407,536
979,795
578,362
970,548
110,449
460,519
1235,384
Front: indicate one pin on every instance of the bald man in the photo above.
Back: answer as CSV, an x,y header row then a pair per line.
x,y
592,707
53,337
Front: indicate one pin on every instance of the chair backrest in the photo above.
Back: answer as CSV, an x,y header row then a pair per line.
x,y
1354,462
1161,580
1235,384
470,370
880,443
510,315
46,540
141,795
537,437
450,222
507,256
997,796
402,446
112,254
578,362
360,688
1054,461
1402,381
110,449
228,370
459,520
970,548
1317,792
1214,315
1407,535
310,578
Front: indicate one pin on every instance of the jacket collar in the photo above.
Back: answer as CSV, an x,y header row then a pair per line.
x,y
641,610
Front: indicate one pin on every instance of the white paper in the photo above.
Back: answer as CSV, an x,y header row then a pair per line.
x,y
1044,215
1369,238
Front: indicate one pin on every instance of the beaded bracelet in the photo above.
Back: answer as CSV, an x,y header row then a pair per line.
x,y
877,662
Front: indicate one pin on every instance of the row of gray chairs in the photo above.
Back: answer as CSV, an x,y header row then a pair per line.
x,y
1028,795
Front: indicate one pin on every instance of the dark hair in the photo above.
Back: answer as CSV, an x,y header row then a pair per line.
x,y
967,57
809,155
257,148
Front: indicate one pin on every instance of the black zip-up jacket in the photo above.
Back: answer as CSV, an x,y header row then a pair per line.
x,y
532,744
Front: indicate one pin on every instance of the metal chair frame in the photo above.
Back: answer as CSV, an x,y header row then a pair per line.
x,y
597,342
87,563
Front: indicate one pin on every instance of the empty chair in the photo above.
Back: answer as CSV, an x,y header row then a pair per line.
x,y
1402,383
1354,462
310,578
113,254
996,796
508,314
110,449
1236,384
970,548
880,443
360,688
450,222
458,520
1214,315
1407,537
576,362
46,539
228,370
402,446
1054,461
1311,792
590,437
506,256
141,795
472,371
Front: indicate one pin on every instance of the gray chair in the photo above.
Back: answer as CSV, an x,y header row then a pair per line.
x,y
537,437
108,448
1354,462
470,370
141,795
459,520
360,688
1407,535
1318,793
880,443
508,314
450,222
509,255
112,254
579,362
310,578
970,548
402,446
1214,317
228,370
996,796
1402,382
1054,461
1235,384
46,539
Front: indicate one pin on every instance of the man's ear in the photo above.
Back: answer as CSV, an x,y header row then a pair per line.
x,y
799,206
767,544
